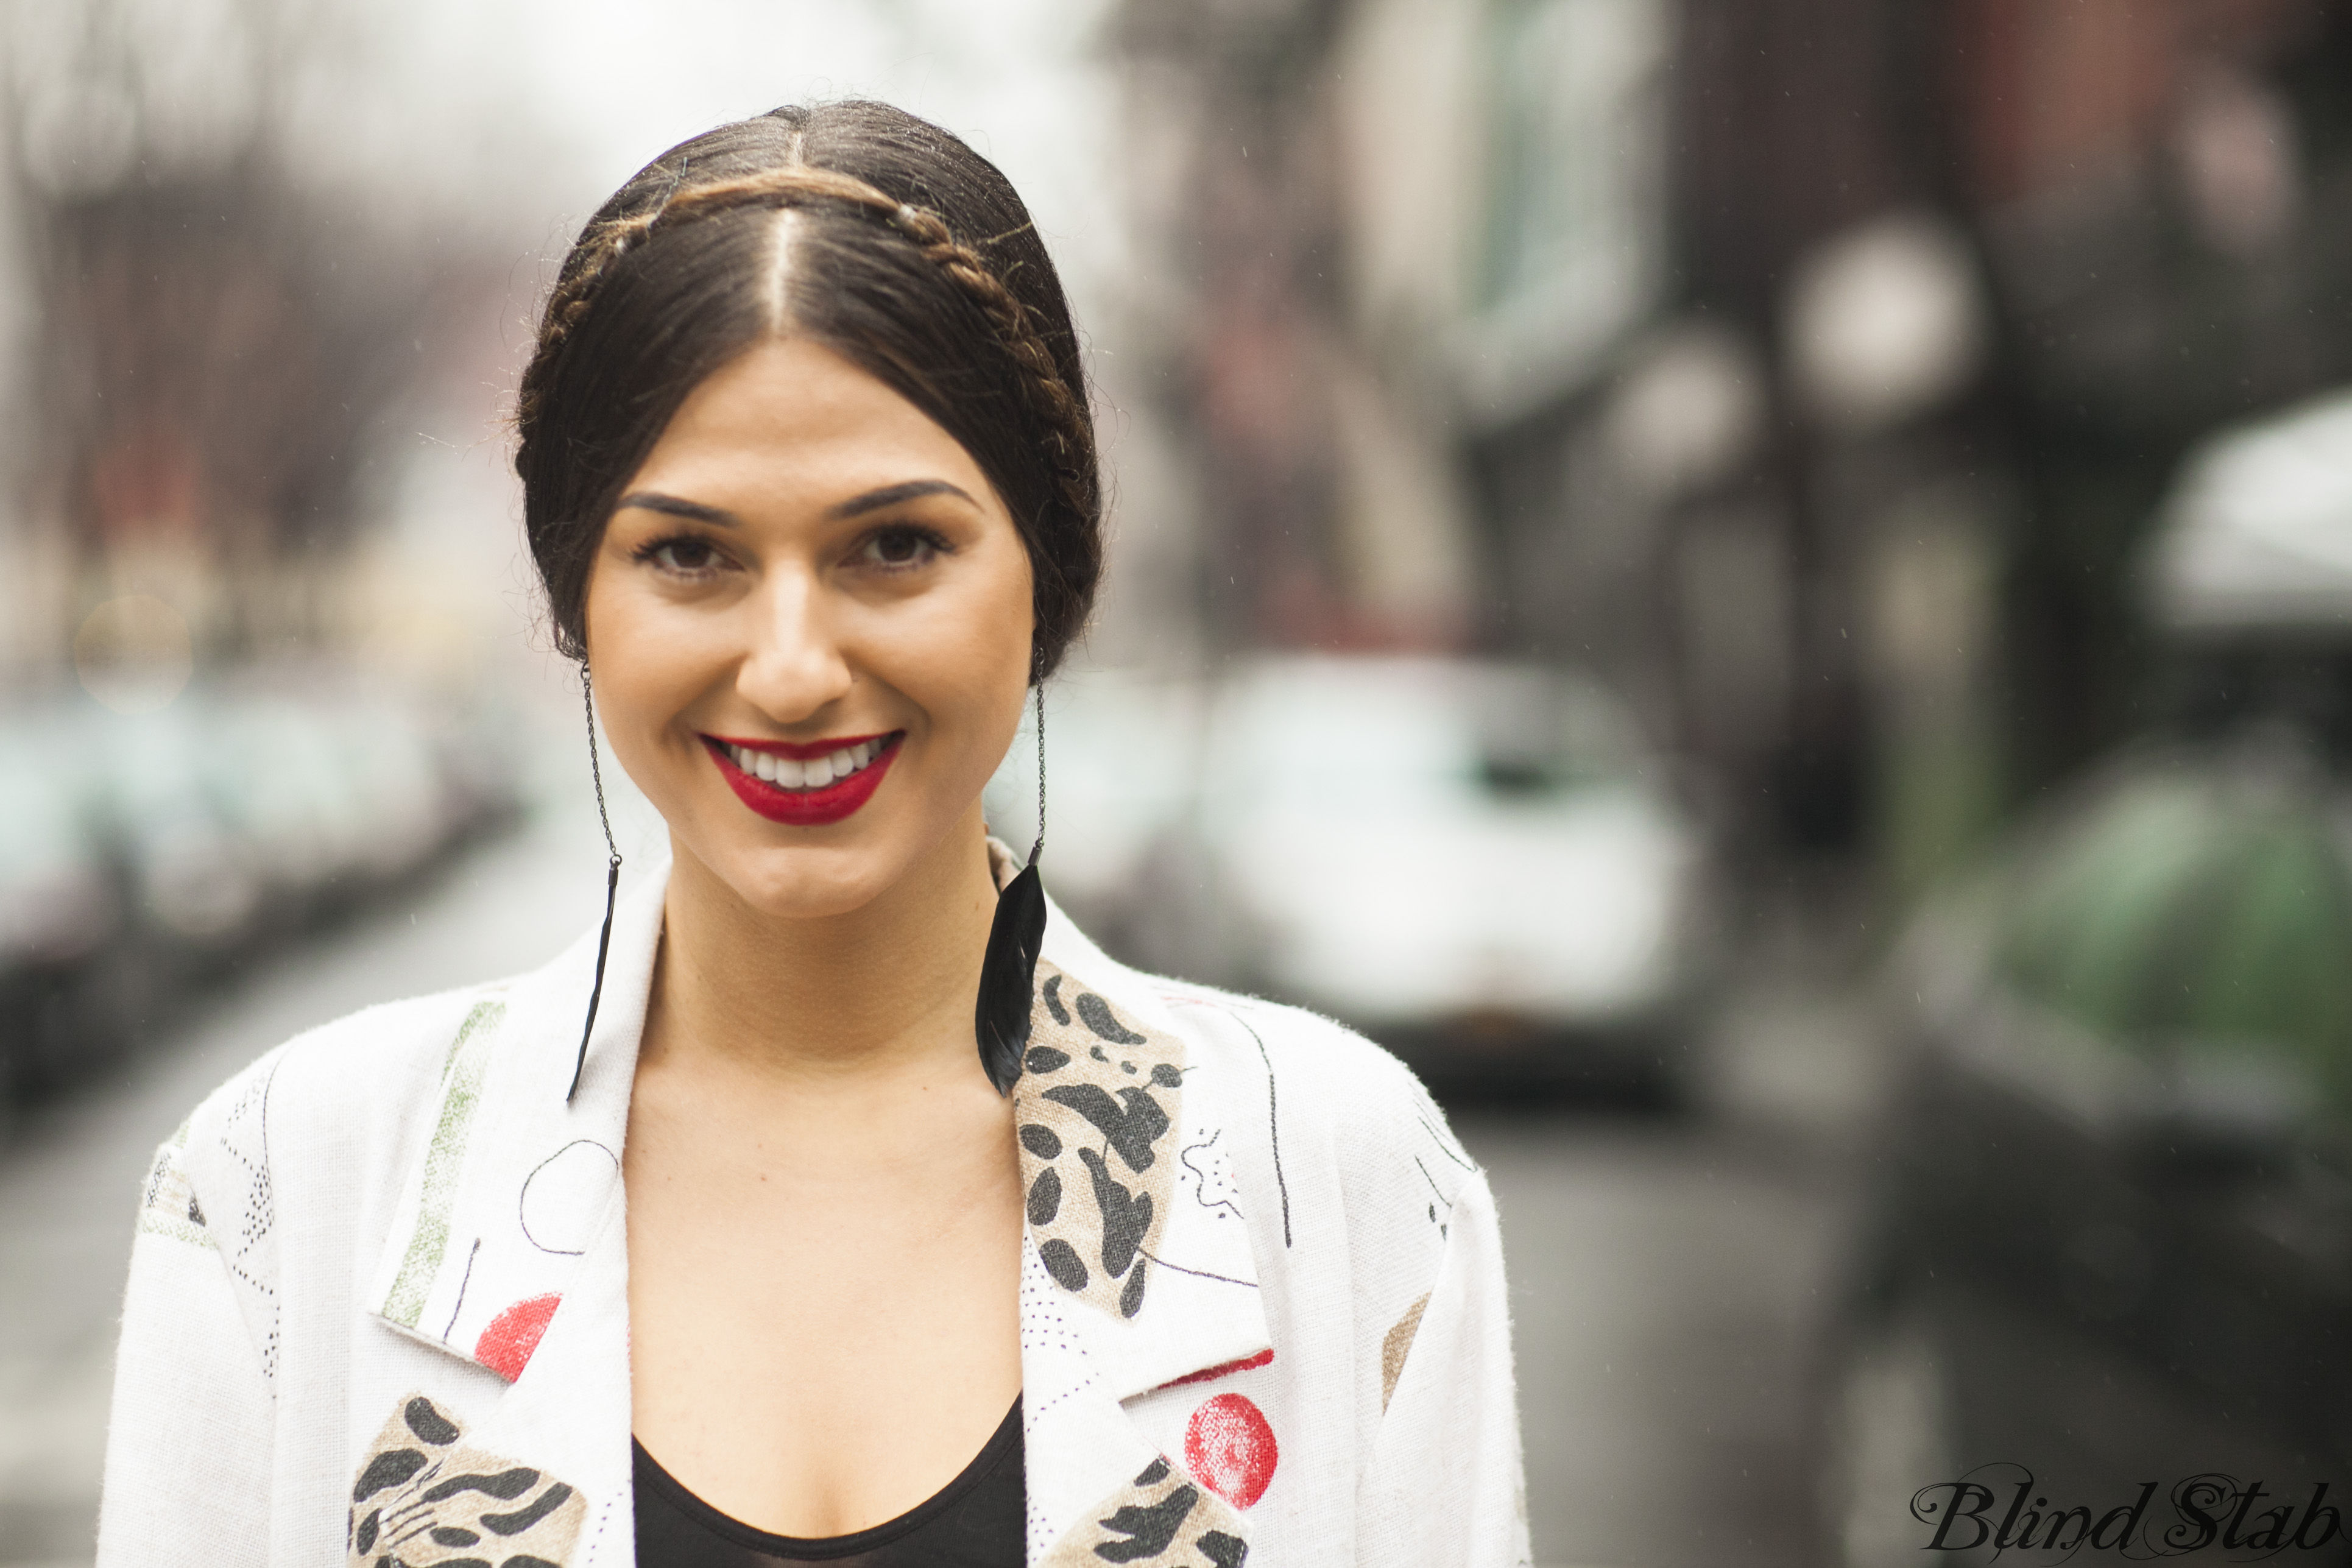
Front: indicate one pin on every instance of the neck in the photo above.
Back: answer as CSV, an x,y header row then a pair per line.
x,y
882,990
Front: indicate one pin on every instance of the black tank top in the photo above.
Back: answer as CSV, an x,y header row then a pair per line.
x,y
974,1522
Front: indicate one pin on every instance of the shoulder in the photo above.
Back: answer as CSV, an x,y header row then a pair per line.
x,y
359,1059
307,1133
340,1086
1351,1084
1332,1095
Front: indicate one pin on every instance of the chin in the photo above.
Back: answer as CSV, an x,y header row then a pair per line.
x,y
806,881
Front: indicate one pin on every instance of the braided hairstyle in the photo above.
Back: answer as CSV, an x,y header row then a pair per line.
x,y
907,253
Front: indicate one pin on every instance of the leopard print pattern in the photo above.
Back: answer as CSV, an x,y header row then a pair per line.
x,y
424,1501
1159,1517
1098,1105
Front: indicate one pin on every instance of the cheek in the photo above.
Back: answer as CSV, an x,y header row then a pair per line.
x,y
648,665
970,657
968,674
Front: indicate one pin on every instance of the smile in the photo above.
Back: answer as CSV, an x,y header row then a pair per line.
x,y
806,785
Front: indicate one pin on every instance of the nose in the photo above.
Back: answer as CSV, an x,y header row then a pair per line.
x,y
794,667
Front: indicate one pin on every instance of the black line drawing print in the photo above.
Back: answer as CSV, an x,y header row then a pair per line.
x,y
1441,1198
560,1217
258,1219
1213,1188
1199,1273
1445,1144
1273,1125
468,1279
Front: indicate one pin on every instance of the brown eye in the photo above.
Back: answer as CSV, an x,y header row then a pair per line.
x,y
686,555
898,548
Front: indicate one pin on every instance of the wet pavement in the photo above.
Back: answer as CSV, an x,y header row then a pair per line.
x,y
1668,1272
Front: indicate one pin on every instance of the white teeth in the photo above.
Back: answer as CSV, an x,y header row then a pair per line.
x,y
814,773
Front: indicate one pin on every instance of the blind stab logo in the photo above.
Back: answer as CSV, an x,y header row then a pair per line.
x,y
1971,1514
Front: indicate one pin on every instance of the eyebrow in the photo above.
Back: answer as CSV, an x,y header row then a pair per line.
x,y
654,500
855,506
891,495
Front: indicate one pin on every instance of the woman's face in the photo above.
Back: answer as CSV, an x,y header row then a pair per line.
x,y
809,626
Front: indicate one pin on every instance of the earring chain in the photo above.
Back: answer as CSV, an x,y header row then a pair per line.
x,y
595,769
1035,849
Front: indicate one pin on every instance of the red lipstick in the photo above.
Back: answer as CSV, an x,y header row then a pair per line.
x,y
806,807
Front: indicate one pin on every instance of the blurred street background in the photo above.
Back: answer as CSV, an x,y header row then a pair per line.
x,y
1760,588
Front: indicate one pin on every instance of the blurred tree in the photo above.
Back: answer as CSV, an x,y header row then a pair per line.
x,y
1237,212
1813,367
213,339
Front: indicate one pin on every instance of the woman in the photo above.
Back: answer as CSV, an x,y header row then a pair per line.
x,y
809,475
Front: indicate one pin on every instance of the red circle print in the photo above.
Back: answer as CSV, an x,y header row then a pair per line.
x,y
1230,1448
505,1345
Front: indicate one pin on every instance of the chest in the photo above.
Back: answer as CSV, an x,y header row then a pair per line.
x,y
803,1262
823,1331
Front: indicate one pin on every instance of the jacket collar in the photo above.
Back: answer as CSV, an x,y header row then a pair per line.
x,y
512,1185
1136,1264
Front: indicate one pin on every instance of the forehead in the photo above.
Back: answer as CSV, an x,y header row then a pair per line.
x,y
791,421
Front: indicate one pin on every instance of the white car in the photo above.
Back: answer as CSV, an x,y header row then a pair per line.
x,y
1124,760
1476,864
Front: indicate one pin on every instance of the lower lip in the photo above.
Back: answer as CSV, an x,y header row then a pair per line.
x,y
805,807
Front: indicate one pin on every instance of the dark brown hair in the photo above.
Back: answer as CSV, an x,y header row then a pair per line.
x,y
912,258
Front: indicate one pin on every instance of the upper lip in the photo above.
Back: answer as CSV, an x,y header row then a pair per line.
x,y
805,751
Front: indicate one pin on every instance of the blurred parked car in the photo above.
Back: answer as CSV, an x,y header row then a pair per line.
x,y
2115,1237
1476,864
1125,777
142,855
2114,1241
2255,540
164,788
59,912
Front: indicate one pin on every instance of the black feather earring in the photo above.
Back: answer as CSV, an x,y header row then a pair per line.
x,y
612,883
1008,974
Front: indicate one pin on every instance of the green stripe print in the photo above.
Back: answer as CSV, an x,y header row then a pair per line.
x,y
461,1092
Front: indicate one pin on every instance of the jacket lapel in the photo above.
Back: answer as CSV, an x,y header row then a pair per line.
x,y
1137,1270
513,1189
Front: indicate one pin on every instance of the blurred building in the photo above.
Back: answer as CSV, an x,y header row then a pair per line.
x,y
1809,369
213,348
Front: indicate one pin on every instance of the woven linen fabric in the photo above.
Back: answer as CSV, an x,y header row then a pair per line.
x,y
377,1311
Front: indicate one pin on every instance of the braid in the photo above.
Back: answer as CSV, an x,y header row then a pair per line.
x,y
947,296
575,289
1069,429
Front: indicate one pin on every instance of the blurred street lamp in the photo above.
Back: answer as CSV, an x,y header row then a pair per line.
x,y
134,654
1688,410
1884,321
2235,145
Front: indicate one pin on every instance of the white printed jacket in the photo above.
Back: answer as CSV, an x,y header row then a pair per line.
x,y
378,1309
